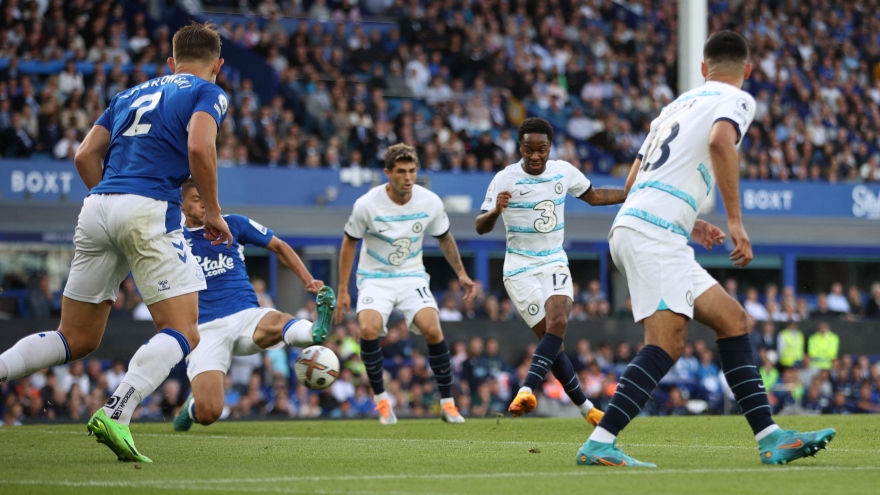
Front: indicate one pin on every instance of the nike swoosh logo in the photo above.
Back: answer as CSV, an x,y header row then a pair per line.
x,y
523,193
795,445
609,463
761,386
130,447
182,257
179,246
383,230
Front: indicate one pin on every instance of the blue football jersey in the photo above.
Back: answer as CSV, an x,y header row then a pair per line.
x,y
148,127
229,287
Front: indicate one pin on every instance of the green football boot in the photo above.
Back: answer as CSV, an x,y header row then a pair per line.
x,y
784,446
595,453
184,421
115,436
326,302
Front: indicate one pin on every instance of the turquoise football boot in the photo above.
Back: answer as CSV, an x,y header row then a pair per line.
x,y
784,446
595,453
184,421
326,302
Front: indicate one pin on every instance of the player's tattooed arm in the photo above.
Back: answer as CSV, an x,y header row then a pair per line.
x,y
450,251
486,220
90,154
601,196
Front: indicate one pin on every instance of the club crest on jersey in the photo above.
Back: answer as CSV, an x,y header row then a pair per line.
x,y
533,309
558,188
689,297
417,228
367,300
215,267
743,105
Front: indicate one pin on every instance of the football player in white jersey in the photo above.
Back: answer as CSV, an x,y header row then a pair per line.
x,y
530,195
691,145
392,221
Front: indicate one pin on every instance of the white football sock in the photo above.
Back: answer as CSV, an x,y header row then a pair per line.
x,y
602,435
33,353
298,333
148,368
766,431
586,407
450,400
524,389
191,409
380,397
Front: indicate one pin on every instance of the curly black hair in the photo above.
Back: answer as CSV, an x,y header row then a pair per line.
x,y
535,125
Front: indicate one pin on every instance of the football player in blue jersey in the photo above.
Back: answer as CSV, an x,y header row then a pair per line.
x,y
149,140
231,321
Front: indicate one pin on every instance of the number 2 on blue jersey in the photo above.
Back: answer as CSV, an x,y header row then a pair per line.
x,y
136,128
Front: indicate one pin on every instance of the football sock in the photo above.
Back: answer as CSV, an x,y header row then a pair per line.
x,y
438,357
543,357
192,411
33,353
148,368
738,364
564,372
371,355
297,333
634,389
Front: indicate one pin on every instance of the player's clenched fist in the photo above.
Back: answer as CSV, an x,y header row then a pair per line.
x,y
502,201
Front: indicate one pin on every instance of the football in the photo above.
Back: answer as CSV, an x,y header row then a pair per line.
x,y
317,367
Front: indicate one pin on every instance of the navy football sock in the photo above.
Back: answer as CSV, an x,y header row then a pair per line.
x,y
738,364
439,359
543,358
564,372
371,355
635,386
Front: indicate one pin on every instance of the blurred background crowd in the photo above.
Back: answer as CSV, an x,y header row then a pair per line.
x,y
455,78
802,376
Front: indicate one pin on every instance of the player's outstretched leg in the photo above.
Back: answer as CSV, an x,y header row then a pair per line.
x,y
372,356
326,302
564,372
439,358
717,310
544,356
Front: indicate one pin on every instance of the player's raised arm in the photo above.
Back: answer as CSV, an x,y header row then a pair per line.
x,y
450,251
202,149
90,154
725,161
486,220
288,257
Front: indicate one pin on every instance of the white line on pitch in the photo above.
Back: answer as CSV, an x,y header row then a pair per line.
x,y
435,440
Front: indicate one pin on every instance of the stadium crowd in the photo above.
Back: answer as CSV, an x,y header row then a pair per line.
x,y
802,376
453,79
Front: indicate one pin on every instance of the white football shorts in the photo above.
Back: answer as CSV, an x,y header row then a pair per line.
x,y
223,338
118,233
660,271
408,294
529,293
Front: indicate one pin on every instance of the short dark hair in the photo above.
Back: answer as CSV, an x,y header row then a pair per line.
x,y
726,46
196,42
400,153
186,186
535,125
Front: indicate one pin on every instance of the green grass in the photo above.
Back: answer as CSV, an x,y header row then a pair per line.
x,y
507,456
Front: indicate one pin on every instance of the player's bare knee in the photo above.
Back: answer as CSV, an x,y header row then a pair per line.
x,y
208,412
433,335
557,323
369,332
81,345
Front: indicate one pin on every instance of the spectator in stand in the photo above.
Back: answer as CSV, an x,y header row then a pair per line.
x,y
823,347
790,344
475,370
872,309
753,307
837,301
822,309
854,298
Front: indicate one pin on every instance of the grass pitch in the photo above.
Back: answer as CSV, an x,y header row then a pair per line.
x,y
502,456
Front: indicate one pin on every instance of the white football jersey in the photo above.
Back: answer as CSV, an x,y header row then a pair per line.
x,y
676,174
535,216
393,234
